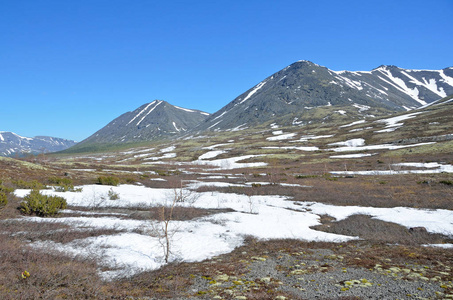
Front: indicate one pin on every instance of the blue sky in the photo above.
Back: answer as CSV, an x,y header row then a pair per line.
x,y
67,68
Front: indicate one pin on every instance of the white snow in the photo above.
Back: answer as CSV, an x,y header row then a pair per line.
x,y
211,154
401,85
138,123
231,163
263,217
361,108
214,146
431,85
168,149
142,111
448,80
435,221
358,155
185,109
302,148
166,155
281,137
255,89
377,147
394,121
388,129
350,143
305,138
430,168
174,125
353,123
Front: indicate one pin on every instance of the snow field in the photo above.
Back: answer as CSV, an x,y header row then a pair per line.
x,y
265,217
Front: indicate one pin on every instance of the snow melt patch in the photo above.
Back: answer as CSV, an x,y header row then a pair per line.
x,y
431,168
350,143
357,155
394,121
231,163
281,137
255,89
353,123
211,154
264,217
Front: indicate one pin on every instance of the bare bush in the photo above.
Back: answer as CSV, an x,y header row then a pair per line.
x,y
163,230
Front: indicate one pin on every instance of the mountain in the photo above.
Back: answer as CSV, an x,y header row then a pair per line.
x,y
151,121
12,144
303,86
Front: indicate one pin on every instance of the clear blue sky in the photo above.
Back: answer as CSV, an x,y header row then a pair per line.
x,y
67,68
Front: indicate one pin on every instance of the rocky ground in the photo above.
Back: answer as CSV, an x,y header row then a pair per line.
x,y
352,271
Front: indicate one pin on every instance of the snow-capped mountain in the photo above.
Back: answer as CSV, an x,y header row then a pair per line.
x,y
304,85
148,122
13,144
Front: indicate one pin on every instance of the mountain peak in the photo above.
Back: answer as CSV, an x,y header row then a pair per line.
x,y
154,120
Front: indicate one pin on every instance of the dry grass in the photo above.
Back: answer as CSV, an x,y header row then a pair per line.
x,y
52,276
378,231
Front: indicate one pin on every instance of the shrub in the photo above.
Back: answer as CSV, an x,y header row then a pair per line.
x,y
34,184
63,184
5,190
113,195
446,182
108,180
3,200
42,205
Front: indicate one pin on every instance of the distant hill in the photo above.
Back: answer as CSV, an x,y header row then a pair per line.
x,y
151,121
12,144
303,86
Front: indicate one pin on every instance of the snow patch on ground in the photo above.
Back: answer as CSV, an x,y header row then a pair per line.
x,y
350,143
358,155
136,249
353,123
211,154
281,137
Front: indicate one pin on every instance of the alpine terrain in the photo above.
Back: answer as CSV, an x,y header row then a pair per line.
x,y
295,94
151,121
13,144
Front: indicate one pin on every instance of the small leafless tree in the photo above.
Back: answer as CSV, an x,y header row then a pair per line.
x,y
162,230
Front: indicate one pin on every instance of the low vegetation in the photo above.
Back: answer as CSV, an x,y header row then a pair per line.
x,y
42,205
108,180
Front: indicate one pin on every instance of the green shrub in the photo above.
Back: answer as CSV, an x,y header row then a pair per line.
x,y
113,195
63,184
42,205
34,184
446,182
5,190
108,180
3,200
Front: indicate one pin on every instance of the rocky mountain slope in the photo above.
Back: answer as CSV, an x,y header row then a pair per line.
x,y
304,86
12,144
150,121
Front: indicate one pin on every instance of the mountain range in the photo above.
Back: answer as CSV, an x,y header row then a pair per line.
x,y
297,95
12,144
303,86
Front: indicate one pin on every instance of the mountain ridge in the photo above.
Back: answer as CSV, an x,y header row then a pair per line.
x,y
13,144
304,85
